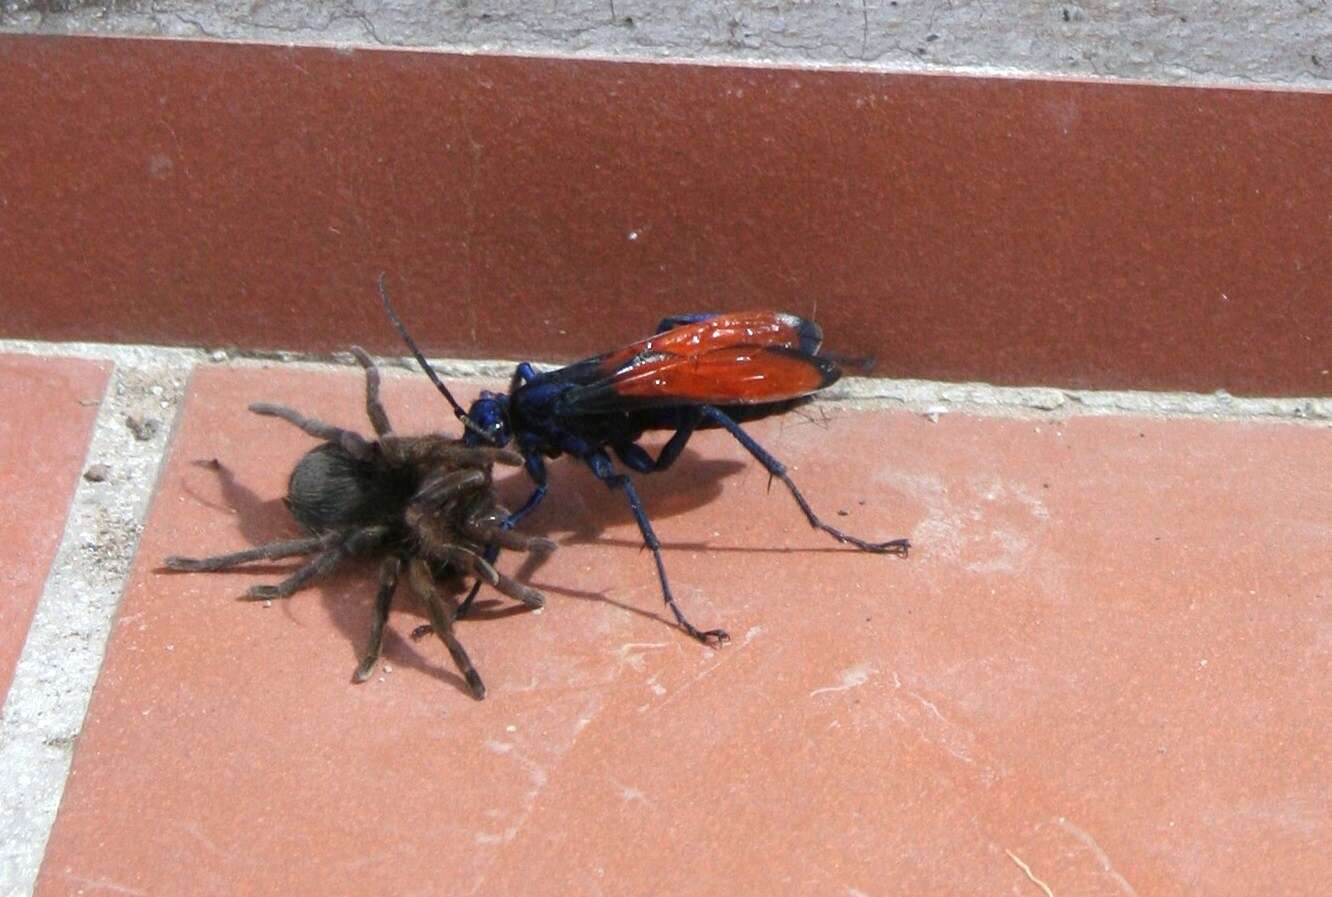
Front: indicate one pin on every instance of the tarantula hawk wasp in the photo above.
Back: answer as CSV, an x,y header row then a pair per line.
x,y
426,503
698,371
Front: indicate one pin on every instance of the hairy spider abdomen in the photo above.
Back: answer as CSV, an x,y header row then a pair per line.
x,y
329,489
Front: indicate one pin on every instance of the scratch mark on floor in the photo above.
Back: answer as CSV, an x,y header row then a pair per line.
x,y
538,776
928,705
851,678
1026,870
628,794
196,831
634,658
1106,866
102,884
725,658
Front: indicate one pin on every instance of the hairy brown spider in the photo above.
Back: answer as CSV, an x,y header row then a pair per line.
x,y
426,502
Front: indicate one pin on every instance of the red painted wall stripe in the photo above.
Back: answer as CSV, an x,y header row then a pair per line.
x,y
959,228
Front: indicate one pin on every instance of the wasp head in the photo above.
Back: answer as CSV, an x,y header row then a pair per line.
x,y
489,419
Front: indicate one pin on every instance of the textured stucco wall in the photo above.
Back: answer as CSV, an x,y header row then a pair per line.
x,y
1272,42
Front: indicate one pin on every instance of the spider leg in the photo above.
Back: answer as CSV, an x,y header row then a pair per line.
x,y
482,456
323,562
483,527
474,563
373,409
284,548
353,443
438,489
418,574
536,469
337,545
777,469
388,582
601,466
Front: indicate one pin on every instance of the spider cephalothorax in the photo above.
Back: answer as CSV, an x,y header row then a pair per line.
x,y
426,502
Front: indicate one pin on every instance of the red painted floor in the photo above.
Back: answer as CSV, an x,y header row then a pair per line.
x,y
47,409
1102,671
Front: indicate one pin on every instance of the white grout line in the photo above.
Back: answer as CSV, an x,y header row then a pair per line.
x,y
934,398
930,397
53,682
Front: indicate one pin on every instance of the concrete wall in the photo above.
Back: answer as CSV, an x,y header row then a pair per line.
x,y
1275,42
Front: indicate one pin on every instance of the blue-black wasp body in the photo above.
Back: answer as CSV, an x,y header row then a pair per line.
x,y
699,371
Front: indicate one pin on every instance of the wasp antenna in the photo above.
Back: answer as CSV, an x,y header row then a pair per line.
x,y
458,410
411,344
859,362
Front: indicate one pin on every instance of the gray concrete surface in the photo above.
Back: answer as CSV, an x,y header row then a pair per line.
x,y
62,656
1279,42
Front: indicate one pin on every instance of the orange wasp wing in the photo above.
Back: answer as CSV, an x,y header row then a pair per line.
x,y
729,375
772,329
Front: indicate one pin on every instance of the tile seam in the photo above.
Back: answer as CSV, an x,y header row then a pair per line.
x,y
932,398
62,656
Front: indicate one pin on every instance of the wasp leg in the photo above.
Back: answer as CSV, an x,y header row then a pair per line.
x,y
636,458
777,469
388,582
601,466
678,320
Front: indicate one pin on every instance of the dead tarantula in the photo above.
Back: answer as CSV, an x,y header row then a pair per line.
x,y
424,501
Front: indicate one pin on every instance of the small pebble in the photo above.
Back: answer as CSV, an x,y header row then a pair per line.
x,y
510,728
218,355
268,604
97,473
388,667
143,428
